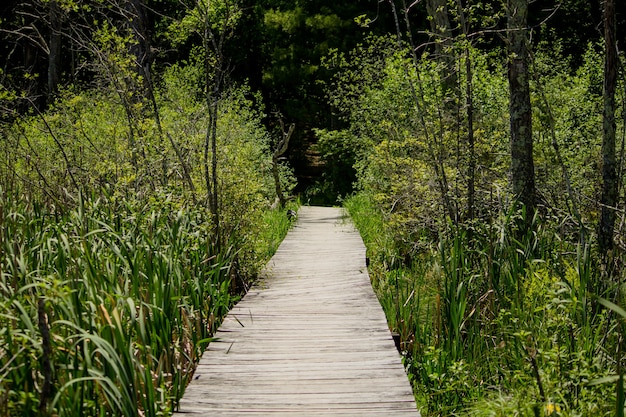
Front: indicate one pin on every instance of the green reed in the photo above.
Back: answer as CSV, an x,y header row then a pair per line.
x,y
497,319
122,296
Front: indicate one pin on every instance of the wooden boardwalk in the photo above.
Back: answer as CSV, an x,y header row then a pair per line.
x,y
310,339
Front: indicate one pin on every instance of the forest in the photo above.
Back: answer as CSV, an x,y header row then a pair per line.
x,y
150,150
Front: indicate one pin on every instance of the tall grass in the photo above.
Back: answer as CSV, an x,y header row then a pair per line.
x,y
105,308
277,224
497,322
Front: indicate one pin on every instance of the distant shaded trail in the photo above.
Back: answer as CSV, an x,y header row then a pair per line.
x,y
310,339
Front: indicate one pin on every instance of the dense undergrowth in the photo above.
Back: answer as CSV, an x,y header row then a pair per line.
x,y
499,314
497,324
115,268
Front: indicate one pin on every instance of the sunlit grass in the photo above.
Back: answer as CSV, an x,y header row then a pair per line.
x,y
277,224
106,308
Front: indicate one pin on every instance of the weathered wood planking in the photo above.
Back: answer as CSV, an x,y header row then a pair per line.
x,y
310,339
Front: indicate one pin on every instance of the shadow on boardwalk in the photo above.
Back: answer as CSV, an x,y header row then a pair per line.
x,y
310,339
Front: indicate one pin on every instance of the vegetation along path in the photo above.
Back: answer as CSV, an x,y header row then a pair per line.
x,y
310,339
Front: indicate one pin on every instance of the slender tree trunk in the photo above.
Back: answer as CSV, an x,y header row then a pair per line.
x,y
440,29
522,164
215,201
469,108
54,55
471,166
435,146
215,73
609,165
210,166
141,49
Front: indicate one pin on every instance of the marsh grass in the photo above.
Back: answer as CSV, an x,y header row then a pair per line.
x,y
277,225
498,322
106,308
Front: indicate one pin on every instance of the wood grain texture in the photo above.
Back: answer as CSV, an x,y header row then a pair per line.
x,y
309,339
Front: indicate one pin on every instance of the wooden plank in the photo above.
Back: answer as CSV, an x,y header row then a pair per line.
x,y
309,339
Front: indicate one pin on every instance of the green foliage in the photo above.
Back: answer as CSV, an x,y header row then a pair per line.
x,y
411,156
291,39
494,319
287,21
82,142
568,113
246,182
131,293
220,16
340,151
356,72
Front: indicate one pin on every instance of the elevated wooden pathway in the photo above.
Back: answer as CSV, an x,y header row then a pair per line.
x,y
310,339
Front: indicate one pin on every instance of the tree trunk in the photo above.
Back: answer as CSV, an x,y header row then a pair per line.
x,y
138,21
210,163
469,108
471,148
522,164
609,172
215,73
54,47
440,29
